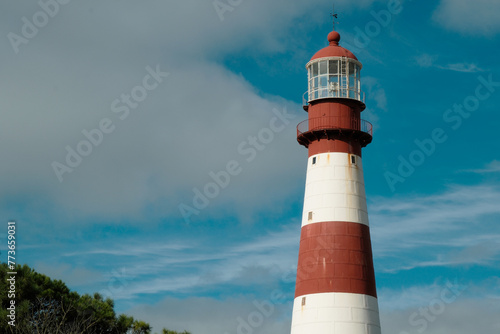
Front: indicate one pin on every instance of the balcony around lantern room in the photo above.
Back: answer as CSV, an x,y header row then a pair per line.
x,y
321,127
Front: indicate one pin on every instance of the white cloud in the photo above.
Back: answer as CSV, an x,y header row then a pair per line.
x,y
471,17
192,124
187,127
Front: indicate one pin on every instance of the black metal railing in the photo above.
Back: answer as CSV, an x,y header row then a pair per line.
x,y
325,123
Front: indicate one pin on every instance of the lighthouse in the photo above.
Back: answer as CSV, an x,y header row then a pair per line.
x,y
335,287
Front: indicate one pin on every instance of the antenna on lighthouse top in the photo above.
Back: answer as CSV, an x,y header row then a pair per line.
x,y
333,15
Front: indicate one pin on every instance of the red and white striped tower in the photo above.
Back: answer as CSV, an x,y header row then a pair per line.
x,y
335,288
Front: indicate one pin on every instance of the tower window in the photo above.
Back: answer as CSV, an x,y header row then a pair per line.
x,y
353,159
314,160
303,301
309,215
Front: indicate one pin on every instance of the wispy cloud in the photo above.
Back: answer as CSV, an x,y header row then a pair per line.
x,y
437,230
426,61
454,228
193,264
492,167
461,67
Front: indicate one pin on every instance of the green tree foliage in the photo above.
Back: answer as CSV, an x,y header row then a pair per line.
x,y
166,331
46,306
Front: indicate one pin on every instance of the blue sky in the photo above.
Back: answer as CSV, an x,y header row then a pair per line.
x,y
223,72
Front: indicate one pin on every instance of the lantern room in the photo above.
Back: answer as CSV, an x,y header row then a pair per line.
x,y
334,72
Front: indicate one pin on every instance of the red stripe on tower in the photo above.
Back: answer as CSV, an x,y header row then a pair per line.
x,y
335,288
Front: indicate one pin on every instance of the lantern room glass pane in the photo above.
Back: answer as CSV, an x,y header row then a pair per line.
x,y
333,66
333,85
357,79
314,69
322,67
323,81
334,81
352,68
352,78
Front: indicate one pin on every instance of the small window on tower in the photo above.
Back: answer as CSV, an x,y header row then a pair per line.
x,y
310,215
314,160
303,301
353,159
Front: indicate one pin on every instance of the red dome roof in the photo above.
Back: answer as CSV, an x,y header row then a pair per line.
x,y
334,50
